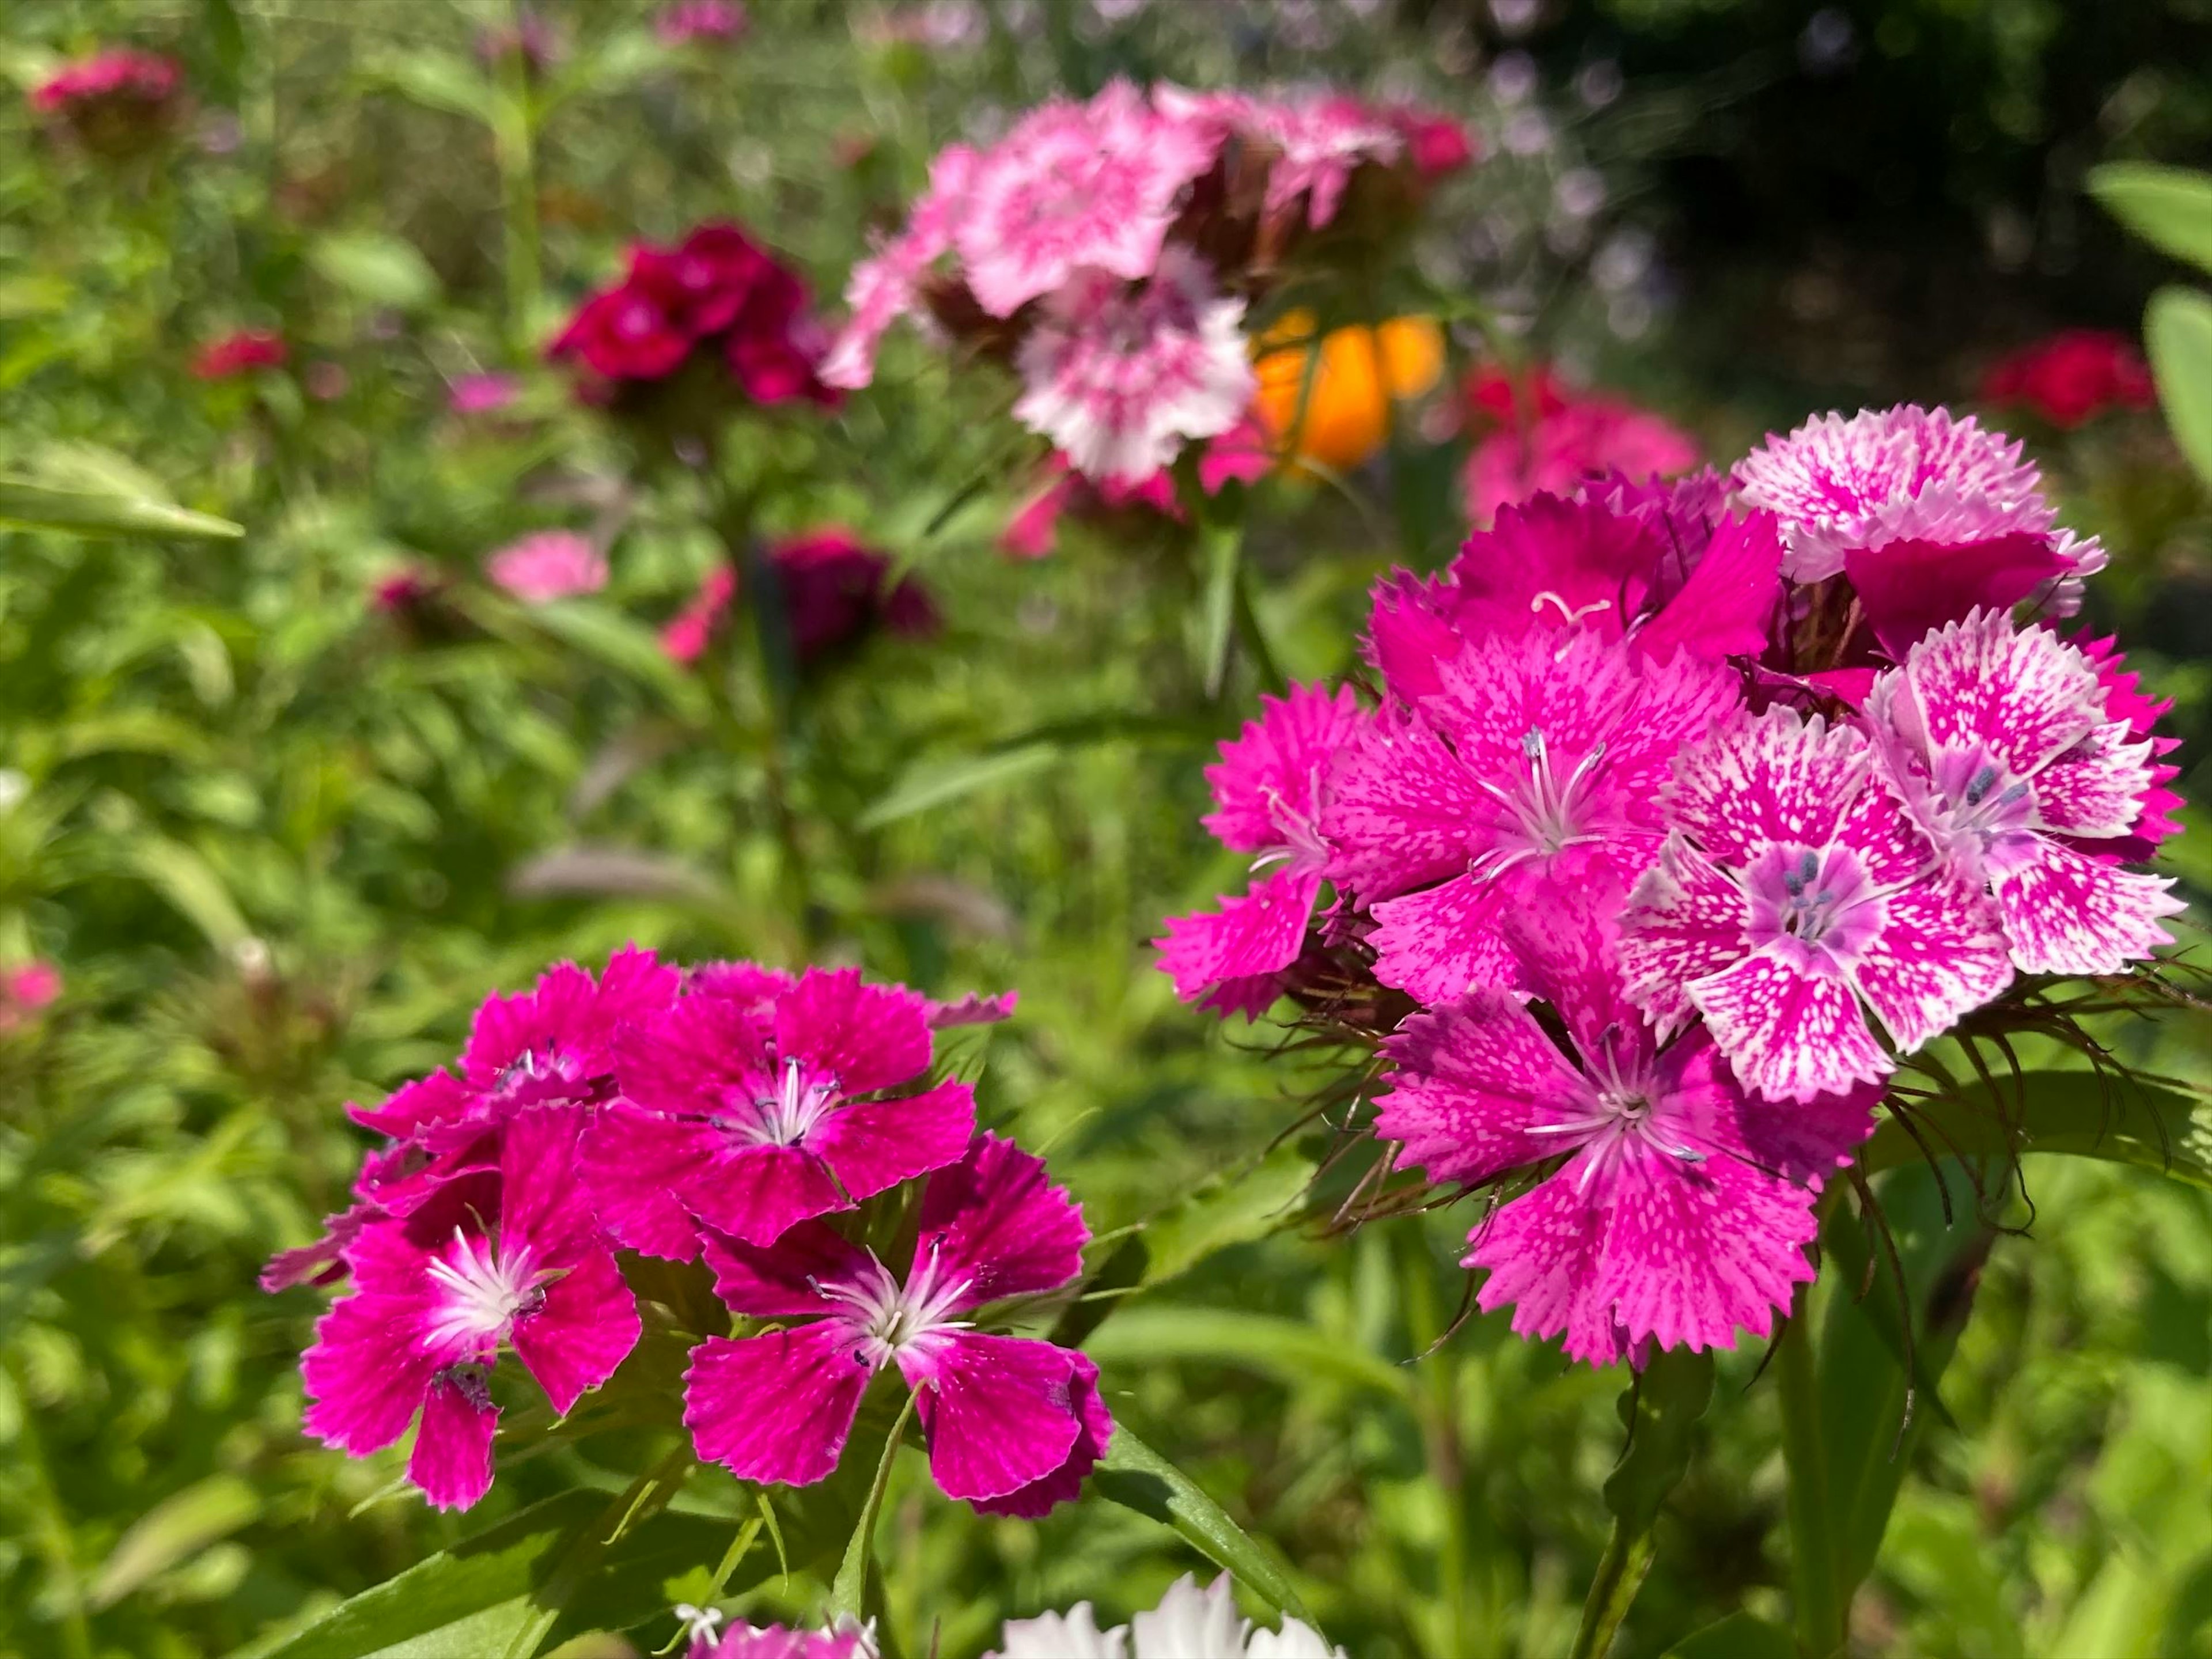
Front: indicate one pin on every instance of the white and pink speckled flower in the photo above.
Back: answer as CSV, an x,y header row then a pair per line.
x,y
1121,377
553,564
886,286
2002,741
1317,140
1793,898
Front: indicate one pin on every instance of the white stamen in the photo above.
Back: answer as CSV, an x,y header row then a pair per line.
x,y
486,1288
891,1317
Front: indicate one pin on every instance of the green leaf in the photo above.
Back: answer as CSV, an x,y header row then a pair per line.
x,y
2170,208
933,783
190,883
1739,1636
26,504
1282,1348
627,646
175,1529
1136,1477
2149,1125
438,80
2177,332
1222,546
1234,1207
382,269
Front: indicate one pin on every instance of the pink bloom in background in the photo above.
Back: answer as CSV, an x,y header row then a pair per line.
x,y
690,20
482,394
1533,771
508,1258
1120,378
405,588
114,103
1012,1424
553,564
239,352
687,635
530,37
1318,140
750,1122
2073,376
2002,741
1683,1208
1928,515
1268,789
1436,145
1560,449
888,285
1242,455
1794,897
27,991
834,595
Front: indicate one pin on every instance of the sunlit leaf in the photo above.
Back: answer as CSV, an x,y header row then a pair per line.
x,y
1135,1476
382,269
2079,1114
174,1530
1291,1353
2178,332
2170,208
28,504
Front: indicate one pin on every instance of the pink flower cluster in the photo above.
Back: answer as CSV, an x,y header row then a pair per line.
x,y
2073,376
1687,810
775,1127
113,102
715,292
836,590
1542,437
689,21
1109,249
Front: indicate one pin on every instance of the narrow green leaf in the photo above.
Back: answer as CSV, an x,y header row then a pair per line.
x,y
1221,545
2178,332
26,504
2170,208
1282,1348
372,265
1234,1207
438,80
848,1593
627,646
1739,1636
933,783
174,1530
1136,1477
190,883
2079,1114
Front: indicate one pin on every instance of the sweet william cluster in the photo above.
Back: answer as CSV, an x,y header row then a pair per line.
x,y
769,1125
1685,811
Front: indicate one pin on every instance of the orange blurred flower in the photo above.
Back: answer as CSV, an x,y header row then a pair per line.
x,y
1361,373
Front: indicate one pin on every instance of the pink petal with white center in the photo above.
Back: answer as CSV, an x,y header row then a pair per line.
x,y
2067,913
1789,1032
582,1331
2022,695
1912,589
996,1221
1441,943
1544,1253
760,1191
776,1408
1554,561
1400,810
1686,920
1254,933
1764,778
636,1164
871,1146
783,1281
1472,1083
1940,957
1094,1433
1279,762
1000,1413
867,1037
2097,788
1120,379
452,1459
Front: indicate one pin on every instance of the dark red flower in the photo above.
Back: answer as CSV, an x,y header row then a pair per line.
x,y
623,333
2072,376
834,594
239,352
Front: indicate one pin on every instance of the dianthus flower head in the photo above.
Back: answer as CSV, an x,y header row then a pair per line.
x,y
1313,142
481,394
2002,741
552,564
836,590
705,1638
1268,788
1533,769
1121,377
115,103
1189,1623
2071,377
1928,515
1012,1424
749,1119
1793,896
1681,1212
687,21
509,1257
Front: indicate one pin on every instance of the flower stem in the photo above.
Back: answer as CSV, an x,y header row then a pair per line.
x,y
850,1593
1620,1572
1822,1629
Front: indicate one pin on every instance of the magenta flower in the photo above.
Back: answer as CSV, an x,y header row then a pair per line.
x,y
1120,377
1075,188
1927,516
239,352
2002,741
1012,1424
2124,700
623,333
482,394
553,564
27,991
1794,896
1683,1208
690,21
686,635
1268,788
836,592
750,1119
1533,768
1561,448
2071,377
706,1640
115,102
508,1258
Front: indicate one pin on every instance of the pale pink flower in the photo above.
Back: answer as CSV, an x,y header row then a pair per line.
x,y
1121,377
553,564
1075,188
1682,1211
1268,788
1317,141
887,286
1188,1623
1013,1423
1534,769
2001,739
1792,898
481,394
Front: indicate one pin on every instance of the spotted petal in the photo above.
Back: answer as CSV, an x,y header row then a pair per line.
x,y
2067,913
1790,1032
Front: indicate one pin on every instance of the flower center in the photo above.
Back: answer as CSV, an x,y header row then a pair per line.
x,y
1812,901
1621,1103
486,1288
797,1104
1985,800
1302,851
889,1317
1543,812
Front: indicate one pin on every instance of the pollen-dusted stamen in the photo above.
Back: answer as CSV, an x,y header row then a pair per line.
x,y
887,1316
797,1104
1546,811
486,1286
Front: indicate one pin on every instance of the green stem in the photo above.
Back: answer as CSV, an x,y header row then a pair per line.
x,y
1620,1572
850,1593
764,596
513,146
1820,1613
1250,635
50,1523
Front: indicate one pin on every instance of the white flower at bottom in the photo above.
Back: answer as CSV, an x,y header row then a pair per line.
x,y
1121,376
1190,1623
